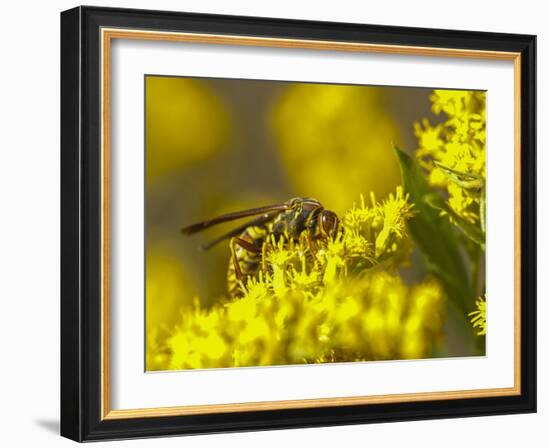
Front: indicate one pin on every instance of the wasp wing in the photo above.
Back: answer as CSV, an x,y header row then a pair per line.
x,y
259,221
200,226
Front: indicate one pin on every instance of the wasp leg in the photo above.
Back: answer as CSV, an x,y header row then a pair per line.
x,y
312,246
246,245
264,267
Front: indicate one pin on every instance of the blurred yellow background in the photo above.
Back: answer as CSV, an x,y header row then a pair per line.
x,y
219,145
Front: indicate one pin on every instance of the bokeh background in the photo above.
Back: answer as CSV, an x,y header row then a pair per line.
x,y
220,145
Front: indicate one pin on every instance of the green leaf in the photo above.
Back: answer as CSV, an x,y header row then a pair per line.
x,y
434,235
472,231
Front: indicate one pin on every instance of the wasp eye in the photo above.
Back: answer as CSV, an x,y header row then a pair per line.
x,y
329,223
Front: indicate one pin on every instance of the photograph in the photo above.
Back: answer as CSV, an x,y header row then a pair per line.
x,y
279,224
301,223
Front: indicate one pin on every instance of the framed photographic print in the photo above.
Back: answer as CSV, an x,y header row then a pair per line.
x,y
275,224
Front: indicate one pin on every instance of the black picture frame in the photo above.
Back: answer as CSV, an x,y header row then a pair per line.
x,y
81,224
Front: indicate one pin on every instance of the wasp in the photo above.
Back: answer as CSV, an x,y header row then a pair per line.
x,y
286,220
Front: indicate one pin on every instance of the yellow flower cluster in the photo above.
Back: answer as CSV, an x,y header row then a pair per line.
x,y
479,316
453,152
167,284
384,223
326,302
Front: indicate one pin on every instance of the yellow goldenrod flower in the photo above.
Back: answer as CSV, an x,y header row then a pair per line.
x,y
378,232
453,153
479,316
394,212
168,287
455,149
310,304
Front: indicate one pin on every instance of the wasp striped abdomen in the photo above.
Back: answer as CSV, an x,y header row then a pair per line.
x,y
249,262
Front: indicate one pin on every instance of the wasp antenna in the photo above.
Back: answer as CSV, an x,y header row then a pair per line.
x,y
194,228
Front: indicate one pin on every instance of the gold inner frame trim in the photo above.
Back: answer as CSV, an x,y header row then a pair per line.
x,y
107,35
